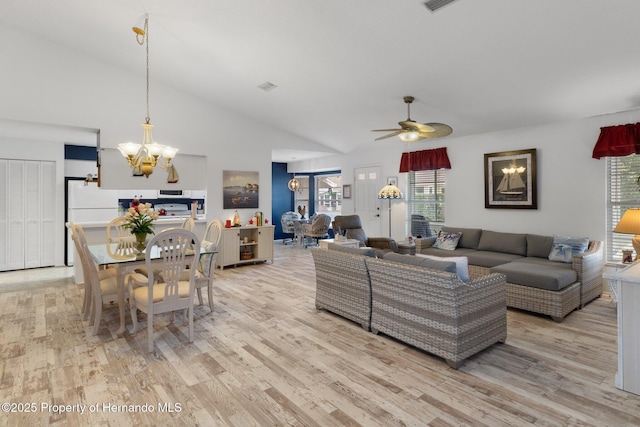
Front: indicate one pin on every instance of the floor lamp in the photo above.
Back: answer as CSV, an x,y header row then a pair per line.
x,y
390,192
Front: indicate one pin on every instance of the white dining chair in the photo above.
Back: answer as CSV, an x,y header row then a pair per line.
x,y
172,294
121,236
102,274
105,289
189,224
207,263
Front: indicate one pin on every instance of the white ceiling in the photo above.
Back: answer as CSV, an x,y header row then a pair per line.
x,y
342,67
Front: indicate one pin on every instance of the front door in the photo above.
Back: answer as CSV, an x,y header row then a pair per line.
x,y
367,184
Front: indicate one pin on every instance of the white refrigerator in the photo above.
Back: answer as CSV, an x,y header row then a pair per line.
x,y
87,203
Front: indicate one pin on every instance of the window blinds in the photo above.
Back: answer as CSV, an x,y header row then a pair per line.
x,y
622,193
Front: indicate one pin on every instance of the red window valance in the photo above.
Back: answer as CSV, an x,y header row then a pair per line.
x,y
425,160
616,141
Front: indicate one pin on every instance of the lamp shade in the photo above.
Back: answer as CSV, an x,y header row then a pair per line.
x,y
629,223
390,192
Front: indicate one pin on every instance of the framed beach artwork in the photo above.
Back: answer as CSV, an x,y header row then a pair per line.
x,y
240,189
510,180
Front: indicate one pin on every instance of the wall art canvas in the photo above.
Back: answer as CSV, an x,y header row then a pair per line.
x,y
510,180
240,189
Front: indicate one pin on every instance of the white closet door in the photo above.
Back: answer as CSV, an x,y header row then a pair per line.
x,y
48,214
16,215
32,213
4,215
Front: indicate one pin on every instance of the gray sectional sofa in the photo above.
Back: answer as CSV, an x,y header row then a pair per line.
x,y
534,283
418,301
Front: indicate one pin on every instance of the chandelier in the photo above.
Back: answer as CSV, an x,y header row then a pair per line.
x,y
142,158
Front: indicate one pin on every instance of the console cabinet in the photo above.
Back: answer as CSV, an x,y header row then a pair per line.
x,y
245,245
627,285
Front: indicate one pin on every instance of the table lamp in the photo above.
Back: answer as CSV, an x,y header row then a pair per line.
x,y
630,224
390,192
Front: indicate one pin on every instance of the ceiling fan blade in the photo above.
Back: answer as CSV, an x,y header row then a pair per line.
x,y
439,130
397,132
415,126
386,130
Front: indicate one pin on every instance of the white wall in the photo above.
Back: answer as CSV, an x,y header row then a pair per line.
x,y
571,184
43,82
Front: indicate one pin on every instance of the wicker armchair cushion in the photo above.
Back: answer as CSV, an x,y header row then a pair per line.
x,y
470,236
462,264
539,246
510,243
370,252
444,265
528,274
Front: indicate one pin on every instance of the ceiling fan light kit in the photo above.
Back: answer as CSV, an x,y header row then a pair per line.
x,y
411,131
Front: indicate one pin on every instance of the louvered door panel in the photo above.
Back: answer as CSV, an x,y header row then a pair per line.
x,y
16,215
32,213
4,215
48,214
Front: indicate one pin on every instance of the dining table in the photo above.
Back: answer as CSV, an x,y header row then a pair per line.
x,y
126,260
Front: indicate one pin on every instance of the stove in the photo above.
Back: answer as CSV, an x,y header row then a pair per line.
x,y
173,209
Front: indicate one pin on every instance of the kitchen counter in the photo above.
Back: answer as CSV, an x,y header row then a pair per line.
x,y
160,221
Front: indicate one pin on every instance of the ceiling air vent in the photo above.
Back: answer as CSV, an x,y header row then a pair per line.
x,y
434,5
267,86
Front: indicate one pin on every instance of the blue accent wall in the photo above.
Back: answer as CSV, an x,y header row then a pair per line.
x,y
80,152
281,197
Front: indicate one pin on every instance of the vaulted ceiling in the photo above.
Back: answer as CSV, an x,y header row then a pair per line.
x,y
342,67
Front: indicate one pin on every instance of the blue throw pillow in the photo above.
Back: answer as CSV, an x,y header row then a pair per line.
x,y
564,248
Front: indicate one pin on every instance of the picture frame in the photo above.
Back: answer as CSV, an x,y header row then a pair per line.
x,y
510,180
240,189
392,180
346,191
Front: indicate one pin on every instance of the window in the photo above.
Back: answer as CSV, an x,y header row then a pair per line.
x,y
328,194
426,197
622,193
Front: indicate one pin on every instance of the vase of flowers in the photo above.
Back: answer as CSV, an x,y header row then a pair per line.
x,y
140,219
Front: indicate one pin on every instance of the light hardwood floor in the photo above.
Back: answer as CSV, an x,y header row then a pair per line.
x,y
266,357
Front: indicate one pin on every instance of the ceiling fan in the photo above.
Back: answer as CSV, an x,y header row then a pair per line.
x,y
410,130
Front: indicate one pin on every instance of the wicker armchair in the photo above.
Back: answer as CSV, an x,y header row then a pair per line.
x,y
288,220
318,228
435,311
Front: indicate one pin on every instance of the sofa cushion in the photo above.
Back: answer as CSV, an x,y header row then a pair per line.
x,y
564,248
539,246
510,243
442,265
537,276
447,241
490,259
462,264
370,252
470,236
545,262
444,253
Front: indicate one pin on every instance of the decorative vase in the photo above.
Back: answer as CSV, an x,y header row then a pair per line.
x,y
141,238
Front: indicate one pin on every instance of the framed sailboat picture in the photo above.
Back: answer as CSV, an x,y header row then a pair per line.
x,y
510,180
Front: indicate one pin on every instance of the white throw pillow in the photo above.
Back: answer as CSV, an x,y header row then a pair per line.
x,y
462,264
447,241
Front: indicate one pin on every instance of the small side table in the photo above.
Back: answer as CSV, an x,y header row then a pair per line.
x,y
407,248
352,243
